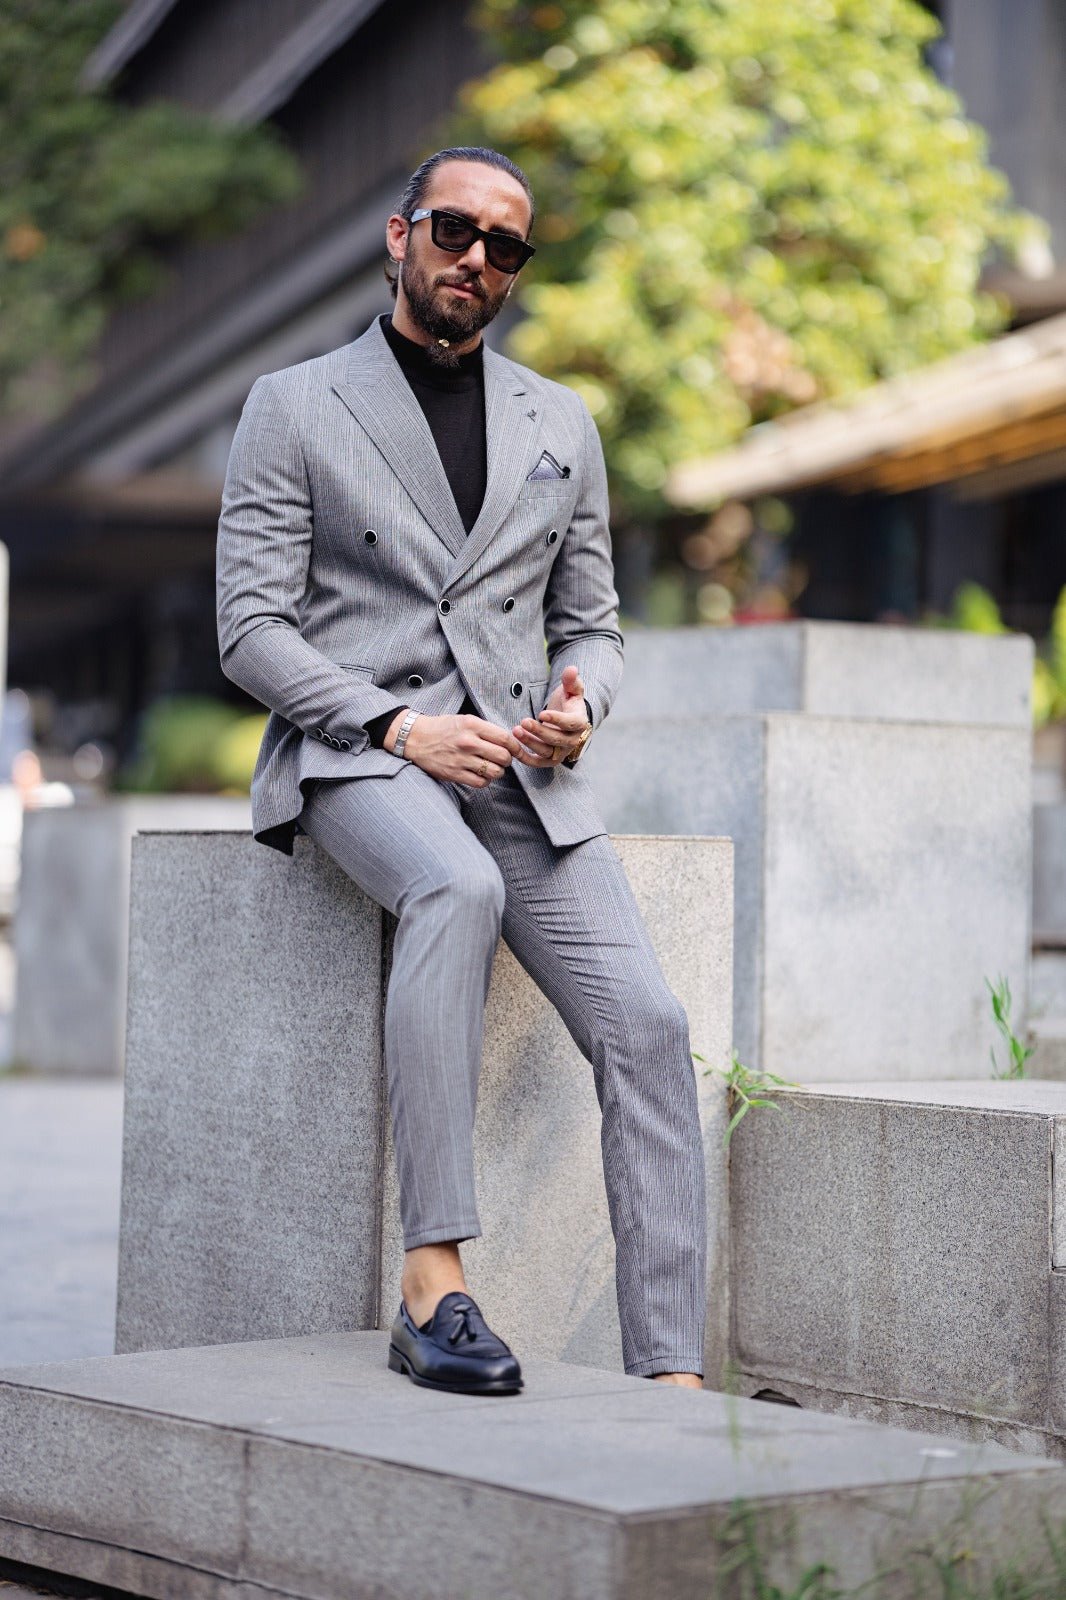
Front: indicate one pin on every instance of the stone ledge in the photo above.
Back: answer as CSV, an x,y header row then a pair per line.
x,y
828,669
894,1250
299,1466
259,1196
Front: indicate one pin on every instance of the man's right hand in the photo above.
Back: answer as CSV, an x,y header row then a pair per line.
x,y
461,748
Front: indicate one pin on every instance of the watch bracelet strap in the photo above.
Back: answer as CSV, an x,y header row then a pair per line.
x,y
573,759
405,727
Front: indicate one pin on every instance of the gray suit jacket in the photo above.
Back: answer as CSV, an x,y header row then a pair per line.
x,y
347,584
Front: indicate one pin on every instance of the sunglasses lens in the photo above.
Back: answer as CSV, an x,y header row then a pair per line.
x,y
452,233
505,254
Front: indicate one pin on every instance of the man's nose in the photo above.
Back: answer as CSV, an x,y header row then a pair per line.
x,y
473,259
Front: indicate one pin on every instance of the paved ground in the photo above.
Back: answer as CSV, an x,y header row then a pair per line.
x,y
60,1170
60,1173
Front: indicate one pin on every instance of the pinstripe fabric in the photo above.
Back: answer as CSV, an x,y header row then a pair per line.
x,y
344,570
326,626
457,866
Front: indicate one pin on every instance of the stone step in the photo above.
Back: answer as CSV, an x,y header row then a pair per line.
x,y
899,1253
304,1468
259,1191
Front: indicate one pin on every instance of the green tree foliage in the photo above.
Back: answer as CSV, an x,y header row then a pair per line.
x,y
744,205
91,189
193,744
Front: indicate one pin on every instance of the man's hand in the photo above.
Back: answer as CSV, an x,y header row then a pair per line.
x,y
456,749
553,735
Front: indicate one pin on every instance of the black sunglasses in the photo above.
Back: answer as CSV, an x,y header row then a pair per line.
x,y
504,251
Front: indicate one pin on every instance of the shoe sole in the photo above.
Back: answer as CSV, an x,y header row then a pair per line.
x,y
399,1363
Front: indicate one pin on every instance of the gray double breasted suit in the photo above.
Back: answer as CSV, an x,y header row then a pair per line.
x,y
348,585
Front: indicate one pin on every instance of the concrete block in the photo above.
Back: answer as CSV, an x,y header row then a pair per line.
x,y
1049,876
545,1261
828,669
259,1192
882,872
894,1249
251,1183
301,1467
71,921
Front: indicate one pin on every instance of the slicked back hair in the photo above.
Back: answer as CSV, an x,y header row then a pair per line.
x,y
414,189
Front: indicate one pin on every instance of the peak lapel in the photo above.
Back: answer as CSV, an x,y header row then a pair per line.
x,y
380,398
511,449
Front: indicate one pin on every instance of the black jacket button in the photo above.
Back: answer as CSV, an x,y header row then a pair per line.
x,y
508,604
552,536
370,536
444,606
415,681
346,744
516,690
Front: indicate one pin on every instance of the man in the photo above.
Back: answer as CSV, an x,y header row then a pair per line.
x,y
406,521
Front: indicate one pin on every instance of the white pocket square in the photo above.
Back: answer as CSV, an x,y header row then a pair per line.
x,y
547,467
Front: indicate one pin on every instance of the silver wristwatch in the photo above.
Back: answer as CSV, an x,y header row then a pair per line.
x,y
405,727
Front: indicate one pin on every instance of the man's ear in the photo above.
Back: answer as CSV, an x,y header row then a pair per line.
x,y
396,232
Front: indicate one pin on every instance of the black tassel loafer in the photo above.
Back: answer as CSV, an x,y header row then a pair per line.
x,y
455,1350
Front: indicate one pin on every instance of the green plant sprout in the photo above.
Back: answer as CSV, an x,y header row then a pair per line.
x,y
1017,1053
746,1087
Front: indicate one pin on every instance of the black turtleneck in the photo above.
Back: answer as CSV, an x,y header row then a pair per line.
x,y
453,401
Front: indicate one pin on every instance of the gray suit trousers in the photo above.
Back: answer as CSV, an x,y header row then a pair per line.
x,y
458,866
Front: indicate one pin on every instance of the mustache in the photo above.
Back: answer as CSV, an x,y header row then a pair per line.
x,y
474,284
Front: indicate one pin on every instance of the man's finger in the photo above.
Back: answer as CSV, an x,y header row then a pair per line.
x,y
545,731
565,721
497,736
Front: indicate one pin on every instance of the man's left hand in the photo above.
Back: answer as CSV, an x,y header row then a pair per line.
x,y
556,732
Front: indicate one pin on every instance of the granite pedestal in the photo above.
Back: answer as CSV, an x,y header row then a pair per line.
x,y
259,1195
304,1468
71,921
883,851
899,1254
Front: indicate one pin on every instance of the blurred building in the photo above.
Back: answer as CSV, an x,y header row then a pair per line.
x,y
110,514
885,547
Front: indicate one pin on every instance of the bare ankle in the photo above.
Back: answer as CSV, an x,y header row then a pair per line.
x,y
430,1271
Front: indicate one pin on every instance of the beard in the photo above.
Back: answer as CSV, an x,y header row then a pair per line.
x,y
440,315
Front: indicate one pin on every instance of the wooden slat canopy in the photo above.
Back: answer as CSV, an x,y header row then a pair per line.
x,y
987,420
